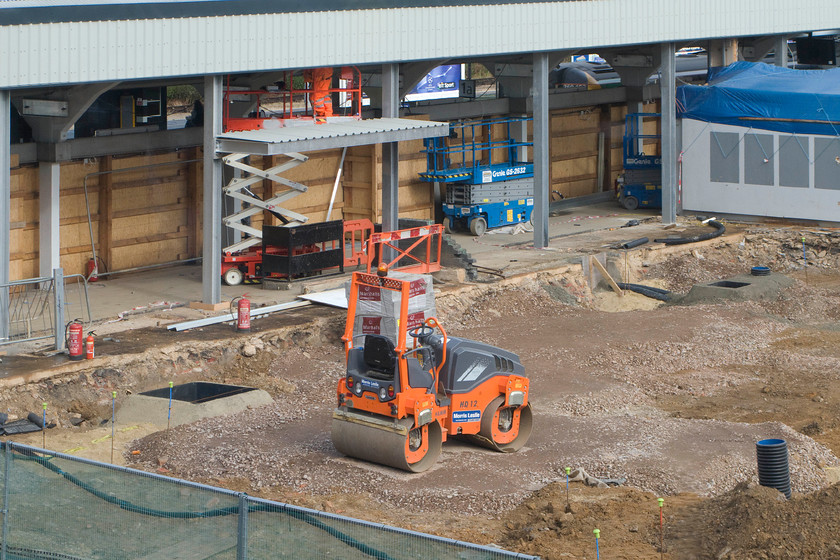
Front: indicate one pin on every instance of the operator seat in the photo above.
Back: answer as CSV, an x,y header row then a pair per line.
x,y
380,355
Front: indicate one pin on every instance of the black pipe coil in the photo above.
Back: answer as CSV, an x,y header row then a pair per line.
x,y
719,230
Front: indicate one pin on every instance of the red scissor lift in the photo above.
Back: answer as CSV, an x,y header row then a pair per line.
x,y
360,244
243,260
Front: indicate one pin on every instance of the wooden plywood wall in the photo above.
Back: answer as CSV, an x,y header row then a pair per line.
x,y
24,221
416,197
150,214
615,151
146,209
573,151
574,147
147,215
318,174
362,183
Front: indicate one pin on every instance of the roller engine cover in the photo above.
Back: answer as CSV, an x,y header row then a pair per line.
x,y
470,363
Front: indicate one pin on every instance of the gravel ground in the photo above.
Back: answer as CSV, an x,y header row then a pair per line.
x,y
596,378
671,399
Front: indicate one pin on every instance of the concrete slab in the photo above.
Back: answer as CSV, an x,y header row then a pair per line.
x,y
743,287
333,298
152,407
168,291
574,231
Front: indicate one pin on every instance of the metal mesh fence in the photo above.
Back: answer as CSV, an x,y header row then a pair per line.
x,y
62,507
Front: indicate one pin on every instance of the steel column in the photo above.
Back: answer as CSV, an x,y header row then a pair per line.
x,y
638,106
232,206
390,153
542,175
669,134
781,51
49,237
5,208
58,303
211,265
519,132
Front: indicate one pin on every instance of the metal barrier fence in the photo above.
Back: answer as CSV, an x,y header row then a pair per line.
x,y
30,310
59,506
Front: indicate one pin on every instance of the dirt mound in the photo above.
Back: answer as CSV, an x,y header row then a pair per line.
x,y
628,521
756,522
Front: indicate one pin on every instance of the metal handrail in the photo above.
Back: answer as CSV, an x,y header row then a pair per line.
x,y
439,147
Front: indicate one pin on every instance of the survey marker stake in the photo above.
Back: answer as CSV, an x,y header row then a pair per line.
x,y
113,410
568,507
661,530
169,412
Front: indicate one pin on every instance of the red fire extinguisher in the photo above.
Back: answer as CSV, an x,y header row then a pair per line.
x,y
91,271
89,346
74,339
243,313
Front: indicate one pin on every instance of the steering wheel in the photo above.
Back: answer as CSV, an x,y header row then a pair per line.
x,y
421,332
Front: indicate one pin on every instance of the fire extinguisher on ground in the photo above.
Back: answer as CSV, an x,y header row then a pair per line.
x,y
74,339
243,313
89,346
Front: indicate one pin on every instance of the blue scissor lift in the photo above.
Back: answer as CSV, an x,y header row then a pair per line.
x,y
487,184
641,183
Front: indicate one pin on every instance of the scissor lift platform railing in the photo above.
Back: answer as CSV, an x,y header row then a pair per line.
x,y
472,155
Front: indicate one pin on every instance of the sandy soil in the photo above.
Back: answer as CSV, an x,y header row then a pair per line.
x,y
671,399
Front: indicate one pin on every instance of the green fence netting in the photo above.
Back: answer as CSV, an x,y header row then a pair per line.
x,y
62,507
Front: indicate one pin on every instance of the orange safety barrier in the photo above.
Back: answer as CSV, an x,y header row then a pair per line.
x,y
356,235
428,238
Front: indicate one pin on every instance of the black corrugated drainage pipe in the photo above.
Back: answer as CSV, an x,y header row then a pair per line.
x,y
773,470
634,243
649,291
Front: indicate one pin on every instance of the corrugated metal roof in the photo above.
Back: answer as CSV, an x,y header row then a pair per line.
x,y
21,12
326,136
92,51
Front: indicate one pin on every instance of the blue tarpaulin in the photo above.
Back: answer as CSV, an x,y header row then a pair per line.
x,y
758,95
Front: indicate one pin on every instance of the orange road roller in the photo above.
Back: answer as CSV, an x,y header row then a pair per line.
x,y
408,386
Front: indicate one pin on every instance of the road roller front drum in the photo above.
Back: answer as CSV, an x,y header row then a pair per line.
x,y
396,444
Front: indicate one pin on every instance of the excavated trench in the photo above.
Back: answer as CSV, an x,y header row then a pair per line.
x,y
189,402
